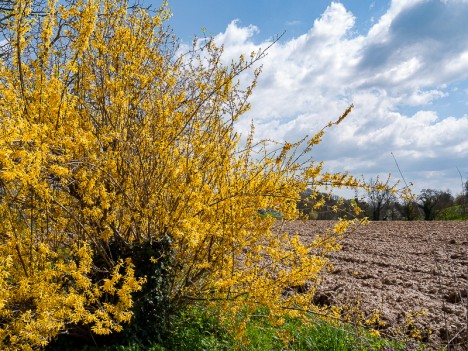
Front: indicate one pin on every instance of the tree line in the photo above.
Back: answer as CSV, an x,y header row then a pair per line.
x,y
381,203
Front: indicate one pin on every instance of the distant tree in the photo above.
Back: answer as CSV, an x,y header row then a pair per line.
x,y
391,210
305,204
407,205
378,196
318,205
445,201
433,201
461,202
462,199
324,206
408,209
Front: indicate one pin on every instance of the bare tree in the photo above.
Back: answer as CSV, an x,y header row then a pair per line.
x,y
378,196
408,209
433,201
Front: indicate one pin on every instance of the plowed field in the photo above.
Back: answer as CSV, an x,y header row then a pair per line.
x,y
410,271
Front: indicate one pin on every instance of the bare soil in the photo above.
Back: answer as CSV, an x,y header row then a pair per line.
x,y
400,269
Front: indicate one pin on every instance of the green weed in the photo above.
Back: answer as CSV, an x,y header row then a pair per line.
x,y
198,329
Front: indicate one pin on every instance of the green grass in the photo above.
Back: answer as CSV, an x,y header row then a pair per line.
x,y
453,213
197,330
317,336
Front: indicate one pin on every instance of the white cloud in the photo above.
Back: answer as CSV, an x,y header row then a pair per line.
x,y
334,22
408,59
418,98
236,35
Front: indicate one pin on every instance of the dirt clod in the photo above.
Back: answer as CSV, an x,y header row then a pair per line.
x,y
453,297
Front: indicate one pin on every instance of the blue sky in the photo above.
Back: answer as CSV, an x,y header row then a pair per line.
x,y
272,17
404,64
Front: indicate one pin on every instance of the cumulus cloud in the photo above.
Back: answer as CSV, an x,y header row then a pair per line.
x,y
396,74
236,35
431,35
334,22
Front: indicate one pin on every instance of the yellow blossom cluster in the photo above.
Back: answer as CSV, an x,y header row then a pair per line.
x,y
108,135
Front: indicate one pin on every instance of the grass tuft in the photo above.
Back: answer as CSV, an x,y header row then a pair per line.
x,y
197,329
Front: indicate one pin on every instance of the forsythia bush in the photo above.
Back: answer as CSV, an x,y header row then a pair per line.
x,y
108,136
